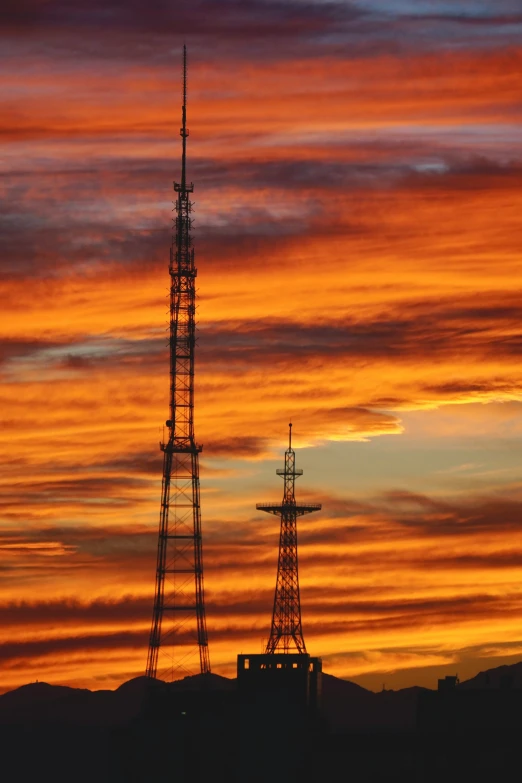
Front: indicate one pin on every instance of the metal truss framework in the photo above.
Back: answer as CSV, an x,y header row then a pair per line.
x,y
176,640
286,630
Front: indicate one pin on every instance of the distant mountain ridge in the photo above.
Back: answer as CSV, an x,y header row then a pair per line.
x,y
346,705
42,701
498,677
202,730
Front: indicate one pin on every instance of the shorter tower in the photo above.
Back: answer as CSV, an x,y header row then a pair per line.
x,y
285,671
286,631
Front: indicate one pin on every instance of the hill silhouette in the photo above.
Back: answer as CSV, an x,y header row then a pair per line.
x,y
200,725
498,677
40,701
346,706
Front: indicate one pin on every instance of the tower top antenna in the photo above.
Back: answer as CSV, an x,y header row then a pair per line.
x,y
184,74
290,436
183,130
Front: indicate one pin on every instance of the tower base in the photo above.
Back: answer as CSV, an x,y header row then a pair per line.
x,y
294,679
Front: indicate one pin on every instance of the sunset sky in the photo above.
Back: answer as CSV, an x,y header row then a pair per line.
x,y
358,233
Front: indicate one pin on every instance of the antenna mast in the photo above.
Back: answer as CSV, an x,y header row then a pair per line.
x,y
183,130
179,572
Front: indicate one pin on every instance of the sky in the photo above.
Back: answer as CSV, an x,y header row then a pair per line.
x,y
357,172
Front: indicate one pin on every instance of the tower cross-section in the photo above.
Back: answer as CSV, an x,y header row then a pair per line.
x,y
178,633
286,632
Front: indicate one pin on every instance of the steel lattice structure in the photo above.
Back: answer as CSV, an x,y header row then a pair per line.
x,y
174,642
286,631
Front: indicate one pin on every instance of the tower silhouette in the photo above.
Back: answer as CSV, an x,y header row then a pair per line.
x,y
286,631
179,639
285,673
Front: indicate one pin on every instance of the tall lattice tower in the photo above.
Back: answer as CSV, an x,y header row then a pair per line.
x,y
180,638
286,632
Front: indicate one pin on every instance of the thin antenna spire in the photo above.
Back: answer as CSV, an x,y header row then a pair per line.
x,y
183,130
290,437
